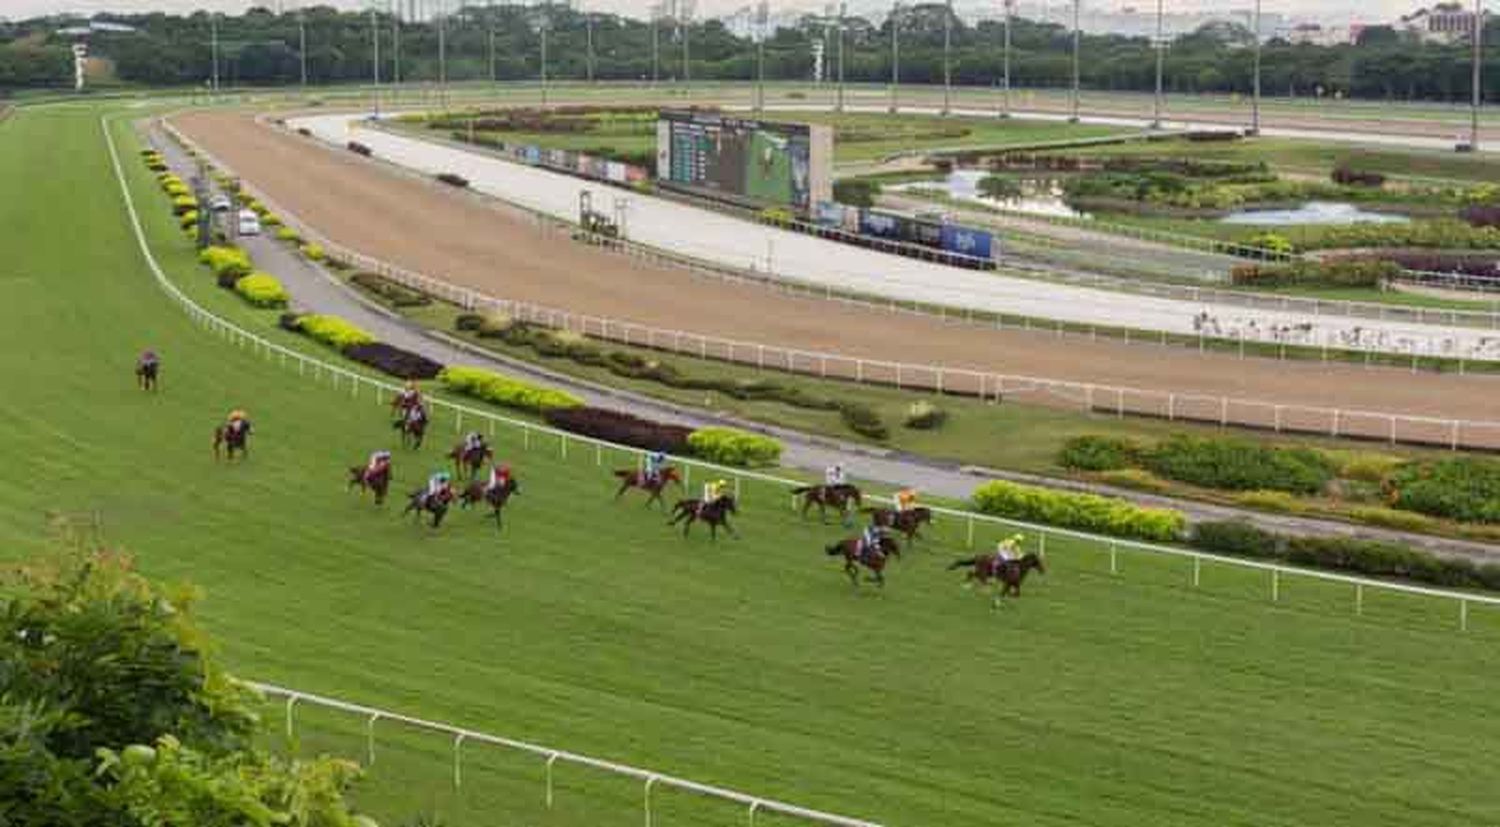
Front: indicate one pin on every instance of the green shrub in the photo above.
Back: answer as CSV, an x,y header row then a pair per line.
x,y
1137,478
262,290
1237,537
270,219
1098,453
1340,272
492,387
399,295
1086,512
863,420
1278,501
730,446
226,260
314,252
1392,518
1239,465
1364,466
1272,243
184,203
1464,489
289,234
925,416
188,219
332,330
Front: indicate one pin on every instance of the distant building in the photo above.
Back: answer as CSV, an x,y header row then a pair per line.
x,y
1442,23
96,27
1316,34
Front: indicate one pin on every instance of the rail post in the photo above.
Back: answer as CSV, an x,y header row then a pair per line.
x,y
1275,585
971,531
650,782
1463,615
458,742
754,805
291,733
562,445
370,738
1359,599
458,420
1114,555
1197,570
551,759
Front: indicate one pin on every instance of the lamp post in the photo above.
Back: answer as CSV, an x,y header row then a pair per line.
x,y
396,44
1161,59
1010,6
302,45
1478,91
442,31
375,59
895,53
687,26
588,22
1077,45
762,19
1255,91
839,107
947,62
656,11
213,37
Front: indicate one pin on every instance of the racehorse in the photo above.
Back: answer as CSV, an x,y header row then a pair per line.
x,y
907,522
412,429
1009,575
475,492
872,559
436,506
146,373
470,460
715,514
380,483
840,497
231,440
631,478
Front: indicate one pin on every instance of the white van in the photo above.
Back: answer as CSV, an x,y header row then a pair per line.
x,y
249,223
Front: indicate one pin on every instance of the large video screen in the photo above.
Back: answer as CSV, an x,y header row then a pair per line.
x,y
753,160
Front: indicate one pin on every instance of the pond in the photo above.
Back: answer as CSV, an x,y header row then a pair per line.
x,y
1039,196
1313,212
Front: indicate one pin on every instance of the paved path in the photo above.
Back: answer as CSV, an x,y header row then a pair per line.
x,y
733,241
314,289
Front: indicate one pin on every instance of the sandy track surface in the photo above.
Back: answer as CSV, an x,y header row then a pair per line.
x,y
425,227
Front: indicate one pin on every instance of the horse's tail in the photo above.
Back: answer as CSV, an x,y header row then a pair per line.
x,y
803,489
835,549
625,474
964,563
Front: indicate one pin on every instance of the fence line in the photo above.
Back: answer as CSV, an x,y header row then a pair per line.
x,y
650,778
1451,433
970,519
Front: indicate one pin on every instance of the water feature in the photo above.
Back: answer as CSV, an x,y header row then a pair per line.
x,y
1038,196
1313,212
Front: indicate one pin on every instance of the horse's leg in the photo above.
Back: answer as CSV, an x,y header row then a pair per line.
x,y
499,524
851,572
624,486
732,532
880,577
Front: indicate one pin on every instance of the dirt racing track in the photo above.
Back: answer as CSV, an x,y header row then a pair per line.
x,y
400,218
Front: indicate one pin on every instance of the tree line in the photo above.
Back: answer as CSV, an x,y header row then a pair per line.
x,y
504,43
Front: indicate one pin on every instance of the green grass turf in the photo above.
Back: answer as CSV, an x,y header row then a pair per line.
x,y
1102,699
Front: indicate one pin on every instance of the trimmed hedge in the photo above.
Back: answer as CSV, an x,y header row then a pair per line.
x,y
925,416
1098,453
394,361
731,446
452,179
262,290
863,420
394,293
226,261
621,428
1239,465
1085,512
184,204
1465,489
314,252
1338,272
331,330
1239,538
358,148
492,387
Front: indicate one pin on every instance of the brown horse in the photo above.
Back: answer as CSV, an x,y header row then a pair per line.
x,y
842,498
412,429
1009,574
436,506
379,482
715,514
146,373
228,440
907,522
475,492
873,559
630,478
470,460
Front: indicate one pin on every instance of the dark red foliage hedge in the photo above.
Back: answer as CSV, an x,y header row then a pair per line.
x,y
453,179
394,361
622,428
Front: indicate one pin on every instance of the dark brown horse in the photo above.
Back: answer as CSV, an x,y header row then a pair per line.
x,y
476,492
470,460
907,522
630,478
412,428
146,372
436,506
229,439
1009,574
873,559
715,514
379,482
841,498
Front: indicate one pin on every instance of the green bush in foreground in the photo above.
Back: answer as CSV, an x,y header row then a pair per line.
x,y
1085,512
730,446
288,234
314,252
226,261
332,330
262,290
492,387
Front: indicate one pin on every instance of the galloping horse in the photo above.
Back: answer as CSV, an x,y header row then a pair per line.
x,y
1009,574
630,478
871,558
436,506
840,497
412,428
146,373
469,460
379,482
231,440
475,492
715,514
907,522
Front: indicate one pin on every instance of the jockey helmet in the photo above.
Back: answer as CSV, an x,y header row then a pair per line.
x,y
236,414
442,476
411,385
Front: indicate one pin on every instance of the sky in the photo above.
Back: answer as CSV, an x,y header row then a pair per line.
x,y
1357,10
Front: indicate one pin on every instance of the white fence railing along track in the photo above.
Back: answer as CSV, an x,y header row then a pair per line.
x,y
1452,433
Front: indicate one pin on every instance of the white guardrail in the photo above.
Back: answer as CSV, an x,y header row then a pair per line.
x,y
355,381
1118,400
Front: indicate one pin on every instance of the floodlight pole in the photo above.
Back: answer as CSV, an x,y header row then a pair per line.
x,y
1005,58
442,27
589,54
375,58
895,53
947,63
544,63
760,59
687,69
1077,45
213,33
396,45
839,106
655,45
302,45
1478,91
1161,59
1255,91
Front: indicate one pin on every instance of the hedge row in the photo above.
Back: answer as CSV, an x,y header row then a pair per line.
x,y
1085,512
394,361
452,179
226,261
622,428
395,294
1466,489
492,387
261,290
1338,272
330,330
1223,463
1241,539
730,446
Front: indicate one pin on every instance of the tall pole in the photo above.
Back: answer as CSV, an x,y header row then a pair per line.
x,y
545,26
1077,45
842,10
947,63
1255,92
589,54
762,20
1161,59
1478,92
687,28
655,44
213,35
1009,11
375,58
302,45
442,27
895,53
396,45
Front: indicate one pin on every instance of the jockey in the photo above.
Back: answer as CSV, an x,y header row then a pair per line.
x,y
473,442
409,396
416,413
149,358
1005,550
437,485
656,461
833,475
870,539
379,461
238,423
499,478
906,499
713,491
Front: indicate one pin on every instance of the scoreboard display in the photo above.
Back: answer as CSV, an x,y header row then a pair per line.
x,y
754,162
